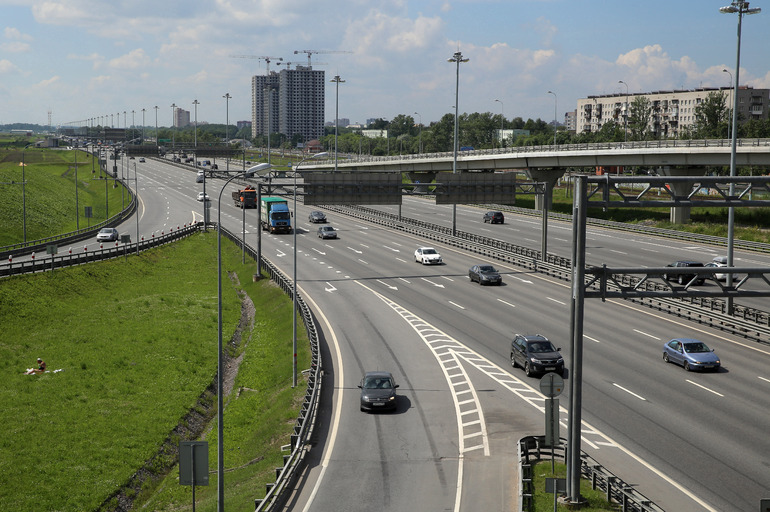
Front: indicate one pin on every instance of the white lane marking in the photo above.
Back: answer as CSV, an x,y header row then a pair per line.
x,y
592,339
456,304
405,280
355,250
386,284
319,252
628,391
646,334
704,387
331,287
764,379
556,301
447,278
431,282
506,303
391,249
522,280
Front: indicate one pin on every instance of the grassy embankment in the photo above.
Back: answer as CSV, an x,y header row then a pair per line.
x,y
49,193
597,500
136,341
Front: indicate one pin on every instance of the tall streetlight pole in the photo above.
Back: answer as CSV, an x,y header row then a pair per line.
x,y
554,116
457,57
227,126
24,193
220,360
157,140
420,140
143,110
195,152
502,120
741,7
294,285
625,112
338,81
173,124
733,93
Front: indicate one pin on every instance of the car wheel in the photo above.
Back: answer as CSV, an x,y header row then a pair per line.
x,y
513,361
681,279
665,357
687,366
527,369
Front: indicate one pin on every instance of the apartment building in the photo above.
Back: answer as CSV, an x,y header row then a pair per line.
x,y
672,111
181,117
293,100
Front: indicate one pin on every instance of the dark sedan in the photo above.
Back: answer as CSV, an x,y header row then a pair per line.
x,y
485,274
684,278
316,216
691,354
378,391
494,217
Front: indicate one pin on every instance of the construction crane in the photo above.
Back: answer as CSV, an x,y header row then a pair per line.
x,y
260,57
288,63
311,52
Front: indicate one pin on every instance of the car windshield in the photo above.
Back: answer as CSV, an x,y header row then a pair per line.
x,y
541,346
429,251
377,383
106,230
487,268
327,228
692,348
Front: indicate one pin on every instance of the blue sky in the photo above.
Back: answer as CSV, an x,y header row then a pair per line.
x,y
89,58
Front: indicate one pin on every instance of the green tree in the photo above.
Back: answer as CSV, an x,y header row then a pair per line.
x,y
639,116
711,116
401,125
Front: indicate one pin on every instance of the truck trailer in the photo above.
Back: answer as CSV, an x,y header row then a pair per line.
x,y
274,215
246,198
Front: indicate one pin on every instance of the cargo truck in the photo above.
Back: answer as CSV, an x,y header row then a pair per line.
x,y
246,198
274,215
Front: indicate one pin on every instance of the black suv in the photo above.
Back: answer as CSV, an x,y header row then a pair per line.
x,y
494,217
536,354
684,278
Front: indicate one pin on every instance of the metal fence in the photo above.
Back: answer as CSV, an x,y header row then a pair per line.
x,y
532,449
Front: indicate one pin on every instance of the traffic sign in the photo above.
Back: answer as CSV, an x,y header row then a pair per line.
x,y
551,385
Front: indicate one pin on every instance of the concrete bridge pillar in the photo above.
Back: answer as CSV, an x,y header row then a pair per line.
x,y
426,177
549,177
680,214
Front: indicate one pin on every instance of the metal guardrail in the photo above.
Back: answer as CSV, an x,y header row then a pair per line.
x,y
532,448
305,422
746,322
49,262
304,425
719,241
73,236
562,148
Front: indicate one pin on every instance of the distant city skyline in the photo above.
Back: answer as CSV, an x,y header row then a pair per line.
x,y
82,58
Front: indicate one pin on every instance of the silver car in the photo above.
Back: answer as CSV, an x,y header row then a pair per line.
x,y
107,235
325,232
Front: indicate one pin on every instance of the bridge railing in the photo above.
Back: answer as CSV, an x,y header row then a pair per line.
x,y
592,146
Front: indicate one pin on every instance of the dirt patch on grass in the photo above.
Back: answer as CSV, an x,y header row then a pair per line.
x,y
193,425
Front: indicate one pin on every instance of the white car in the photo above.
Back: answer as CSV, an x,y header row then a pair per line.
x,y
202,196
427,256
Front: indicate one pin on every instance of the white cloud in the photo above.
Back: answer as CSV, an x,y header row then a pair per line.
x,y
16,34
7,67
135,59
15,47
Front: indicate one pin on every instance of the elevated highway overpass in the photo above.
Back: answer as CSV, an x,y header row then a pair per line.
x,y
548,163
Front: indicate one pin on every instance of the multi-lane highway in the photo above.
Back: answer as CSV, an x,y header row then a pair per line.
x,y
689,441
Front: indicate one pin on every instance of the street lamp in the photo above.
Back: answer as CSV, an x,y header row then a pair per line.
x,y
502,119
157,141
220,362
338,81
733,93
554,116
625,112
195,152
457,57
24,193
173,124
741,7
227,126
294,291
420,143
143,110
